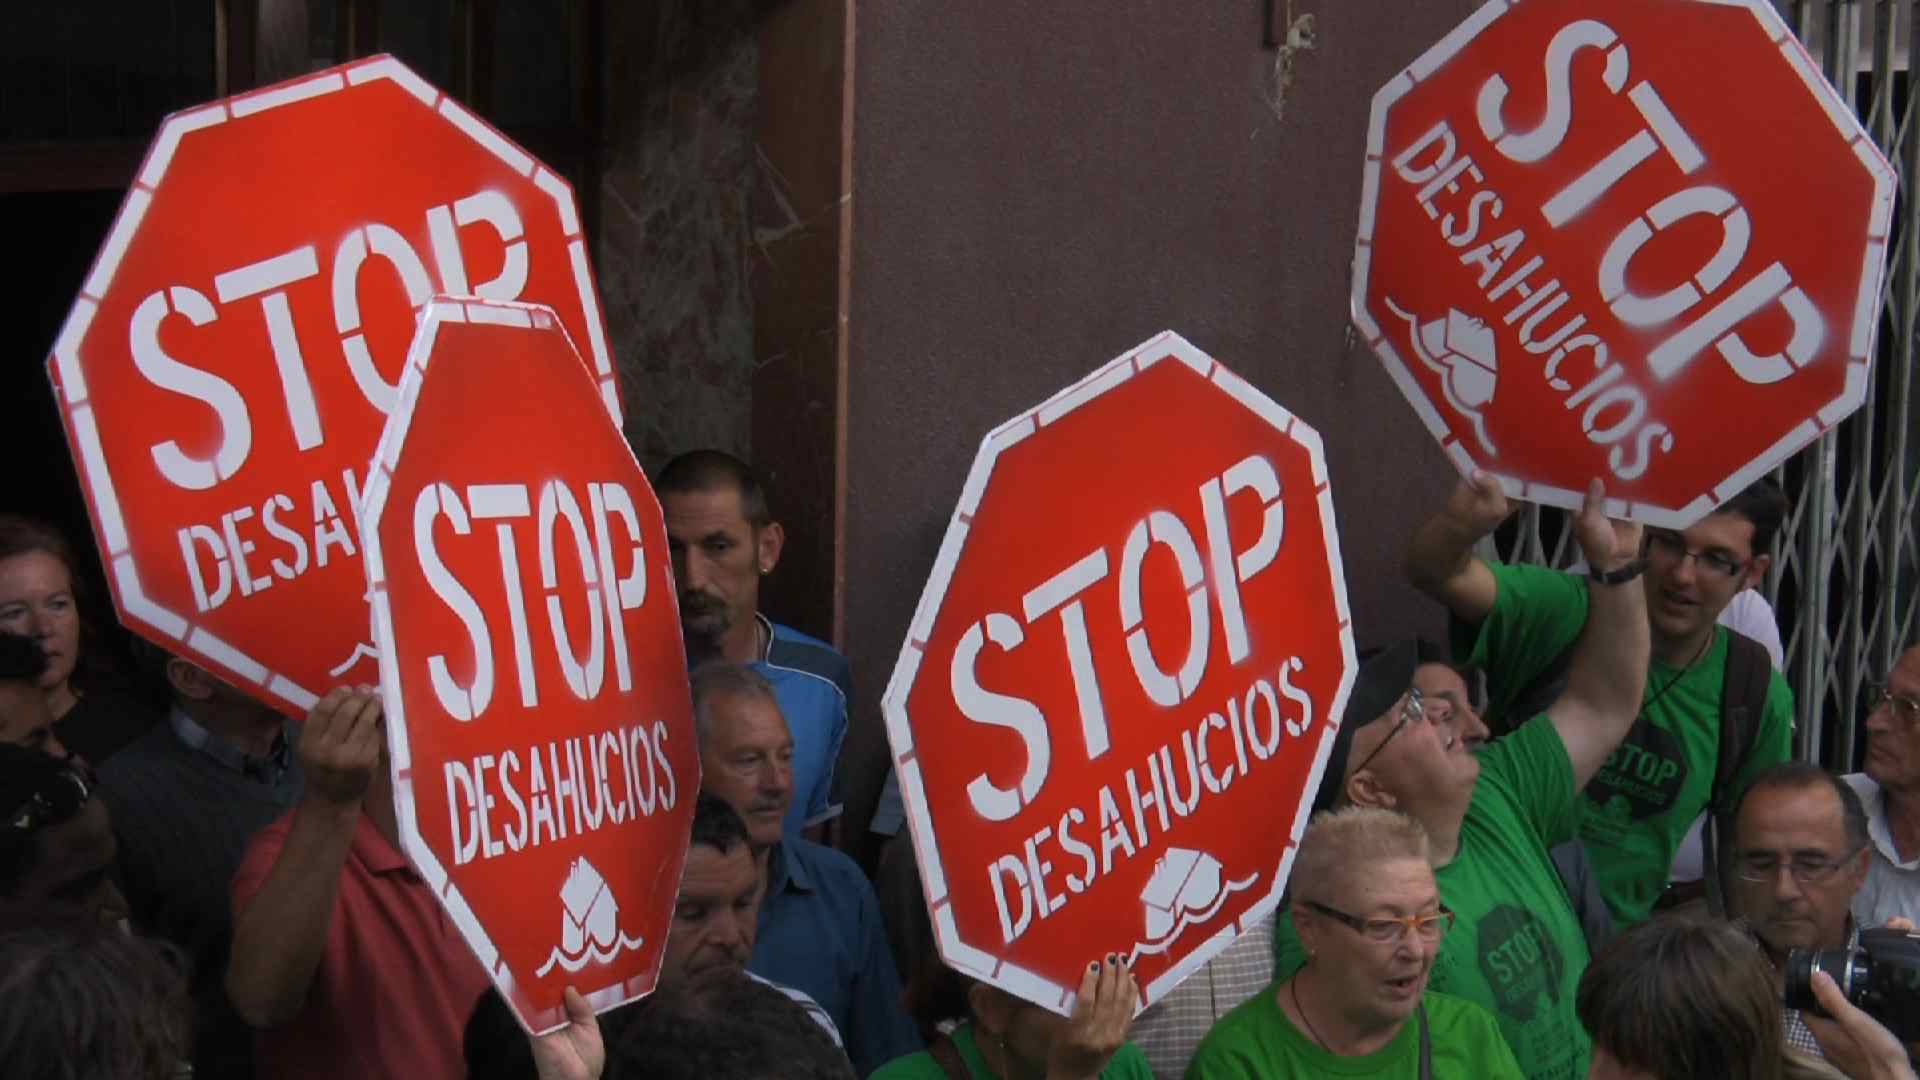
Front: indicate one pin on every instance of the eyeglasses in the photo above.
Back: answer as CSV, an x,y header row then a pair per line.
x,y
1390,931
1905,709
1670,547
1764,866
58,798
1414,708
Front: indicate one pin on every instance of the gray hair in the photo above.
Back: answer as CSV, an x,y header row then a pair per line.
x,y
720,679
1349,841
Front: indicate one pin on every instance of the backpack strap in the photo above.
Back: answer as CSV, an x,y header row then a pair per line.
x,y
1575,867
1743,700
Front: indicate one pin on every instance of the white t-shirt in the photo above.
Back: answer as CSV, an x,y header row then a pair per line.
x,y
1892,887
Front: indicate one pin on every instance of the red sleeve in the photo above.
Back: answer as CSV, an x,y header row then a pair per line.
x,y
262,852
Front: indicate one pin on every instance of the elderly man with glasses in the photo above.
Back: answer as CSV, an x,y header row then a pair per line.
x,y
1890,791
1801,854
1517,623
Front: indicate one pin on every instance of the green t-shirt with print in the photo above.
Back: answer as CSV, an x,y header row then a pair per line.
x,y
1128,1063
1516,948
1641,803
1257,1040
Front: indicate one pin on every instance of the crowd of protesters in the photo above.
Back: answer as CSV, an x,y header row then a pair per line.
x,y
1572,843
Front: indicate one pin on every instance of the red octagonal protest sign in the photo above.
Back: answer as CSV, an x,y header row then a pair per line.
x,y
232,356
1116,695
1635,239
538,717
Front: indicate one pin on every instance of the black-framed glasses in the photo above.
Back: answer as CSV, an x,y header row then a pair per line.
x,y
1412,709
58,798
1765,866
1389,930
1671,547
1876,696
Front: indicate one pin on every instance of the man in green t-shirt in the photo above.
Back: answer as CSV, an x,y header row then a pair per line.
x,y
1370,917
1521,619
1516,948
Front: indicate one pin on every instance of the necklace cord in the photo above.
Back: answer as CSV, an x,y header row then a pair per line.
x,y
1293,990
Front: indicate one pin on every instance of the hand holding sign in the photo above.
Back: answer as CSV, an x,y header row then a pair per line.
x,y
1101,1014
1608,543
340,745
1478,504
575,1052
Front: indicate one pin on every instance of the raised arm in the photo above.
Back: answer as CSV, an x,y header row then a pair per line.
x,y
1440,561
1608,673
279,935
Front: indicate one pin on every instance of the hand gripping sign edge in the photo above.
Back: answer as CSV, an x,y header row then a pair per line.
x,y
978,961
1455,440
151,617
582,874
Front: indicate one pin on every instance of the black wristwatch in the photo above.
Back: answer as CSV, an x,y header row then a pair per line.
x,y
1620,576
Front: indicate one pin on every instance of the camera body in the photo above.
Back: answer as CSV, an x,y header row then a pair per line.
x,y
1881,977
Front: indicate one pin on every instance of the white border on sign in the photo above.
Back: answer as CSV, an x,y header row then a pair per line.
x,y
167,627
956,951
1866,320
441,309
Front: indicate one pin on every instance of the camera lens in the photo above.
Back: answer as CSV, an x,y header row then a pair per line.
x,y
1802,963
1881,976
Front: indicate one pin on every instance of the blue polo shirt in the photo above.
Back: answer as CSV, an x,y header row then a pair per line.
x,y
811,683
820,932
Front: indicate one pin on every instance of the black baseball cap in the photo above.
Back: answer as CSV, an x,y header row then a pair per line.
x,y
1384,676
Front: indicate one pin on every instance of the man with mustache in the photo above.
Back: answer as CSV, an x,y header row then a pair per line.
x,y
1802,856
723,541
1519,620
818,928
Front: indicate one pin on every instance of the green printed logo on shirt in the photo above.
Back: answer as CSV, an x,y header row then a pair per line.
x,y
1642,777
1519,960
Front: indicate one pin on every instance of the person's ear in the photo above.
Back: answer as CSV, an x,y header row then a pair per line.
x,y
189,680
1756,571
1365,789
767,542
1858,866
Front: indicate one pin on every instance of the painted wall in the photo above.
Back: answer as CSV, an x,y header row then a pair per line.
x,y
1036,188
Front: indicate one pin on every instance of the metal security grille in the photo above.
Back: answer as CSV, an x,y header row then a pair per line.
x,y
1845,579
